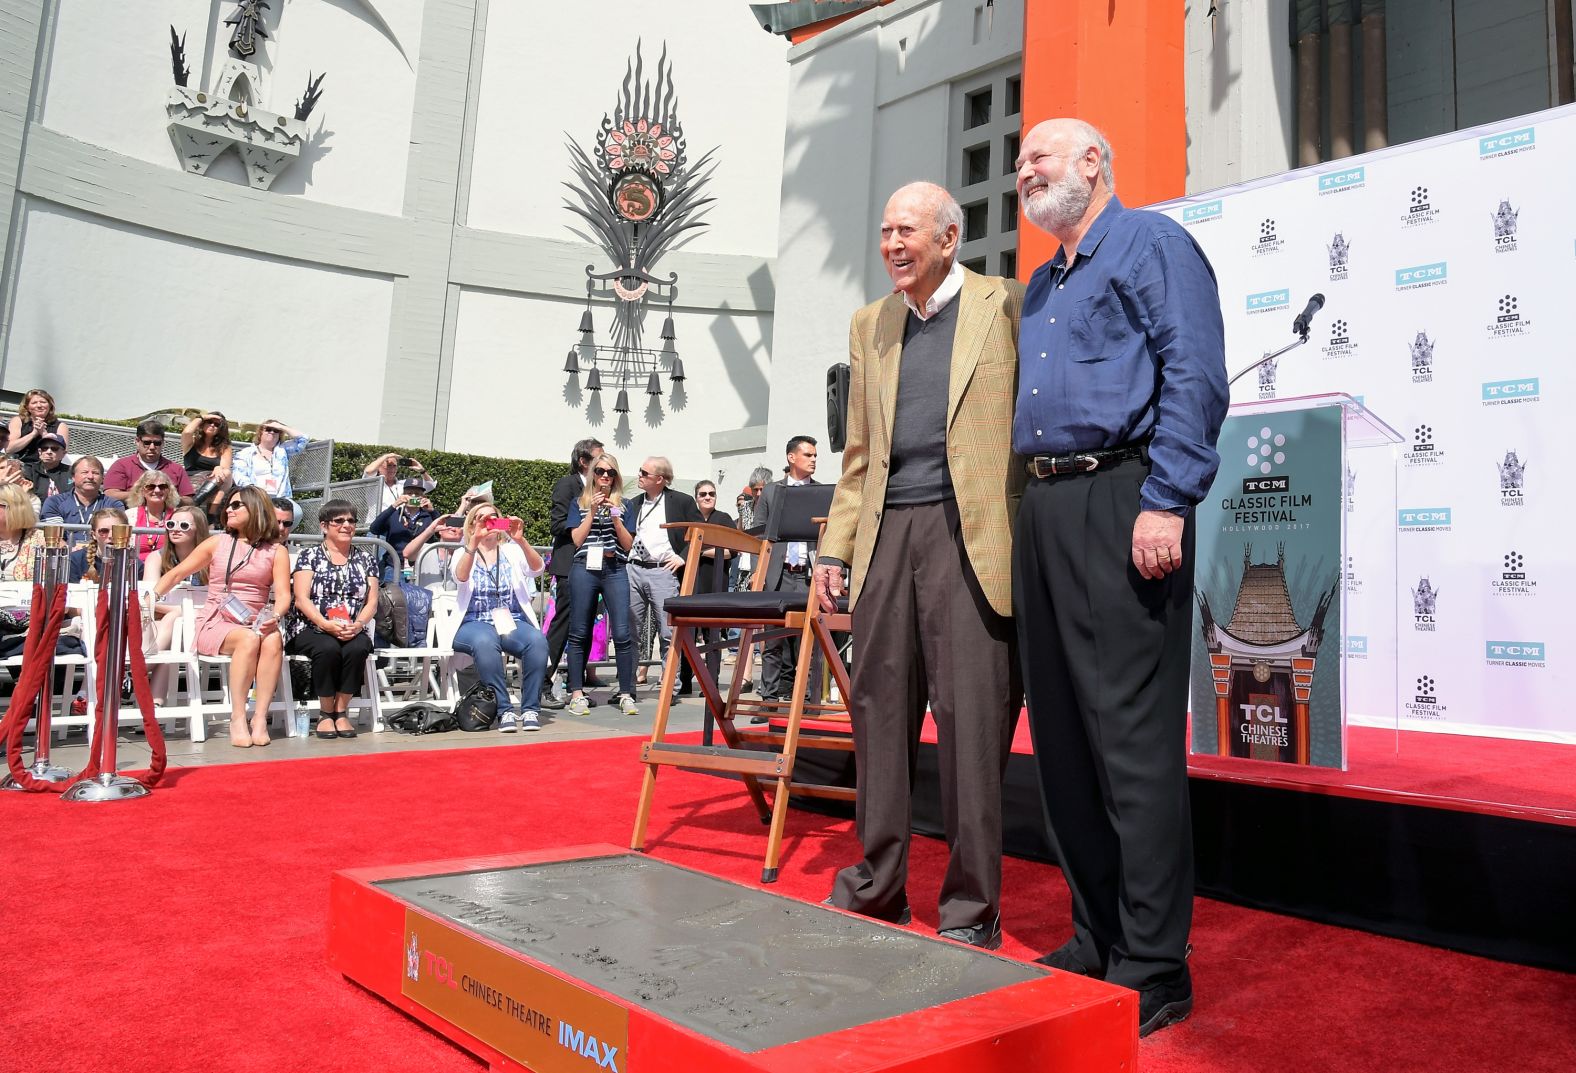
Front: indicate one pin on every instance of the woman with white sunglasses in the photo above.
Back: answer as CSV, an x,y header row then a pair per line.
x,y
184,529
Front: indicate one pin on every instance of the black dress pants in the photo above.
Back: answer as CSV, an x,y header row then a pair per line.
x,y
1105,664
337,666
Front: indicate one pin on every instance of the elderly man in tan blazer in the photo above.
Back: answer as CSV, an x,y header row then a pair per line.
x,y
923,515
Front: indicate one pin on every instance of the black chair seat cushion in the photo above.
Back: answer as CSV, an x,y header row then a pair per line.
x,y
748,606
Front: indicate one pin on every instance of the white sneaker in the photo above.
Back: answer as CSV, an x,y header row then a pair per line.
x,y
626,704
508,723
529,721
578,706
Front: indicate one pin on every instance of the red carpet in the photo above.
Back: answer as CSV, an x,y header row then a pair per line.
x,y
186,931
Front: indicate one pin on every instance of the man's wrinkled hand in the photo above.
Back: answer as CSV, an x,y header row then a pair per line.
x,y
829,585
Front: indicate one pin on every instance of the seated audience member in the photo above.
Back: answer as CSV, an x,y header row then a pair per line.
x,y
20,536
11,472
444,528
153,497
387,466
87,562
148,458
399,522
266,463
208,457
35,417
336,595
77,506
50,475
185,529
288,513
493,572
602,536
244,565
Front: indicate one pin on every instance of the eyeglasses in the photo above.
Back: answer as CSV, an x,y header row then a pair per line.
x,y
235,504
151,443
155,488
604,472
341,521
662,476
48,447
705,495
183,527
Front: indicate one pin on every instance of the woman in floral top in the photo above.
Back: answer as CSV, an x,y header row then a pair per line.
x,y
336,595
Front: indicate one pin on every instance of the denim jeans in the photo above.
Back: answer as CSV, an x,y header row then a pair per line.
x,y
480,640
612,583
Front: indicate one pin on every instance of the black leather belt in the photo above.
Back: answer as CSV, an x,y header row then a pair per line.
x,y
791,569
647,563
1044,466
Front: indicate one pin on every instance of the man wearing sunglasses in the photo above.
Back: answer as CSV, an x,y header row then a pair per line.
x,y
50,474
656,559
149,455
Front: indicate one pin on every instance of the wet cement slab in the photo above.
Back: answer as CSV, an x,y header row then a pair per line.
x,y
743,967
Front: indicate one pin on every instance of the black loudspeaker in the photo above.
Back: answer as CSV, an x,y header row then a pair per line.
x,y
837,406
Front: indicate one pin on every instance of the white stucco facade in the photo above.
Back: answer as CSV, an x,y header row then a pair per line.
x,y
412,278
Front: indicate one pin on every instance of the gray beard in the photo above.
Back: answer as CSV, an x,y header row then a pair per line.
x,y
1061,205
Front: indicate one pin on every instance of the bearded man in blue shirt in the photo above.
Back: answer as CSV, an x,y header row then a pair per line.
x,y
1121,393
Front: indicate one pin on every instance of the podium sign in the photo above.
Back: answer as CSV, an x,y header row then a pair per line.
x,y
1267,581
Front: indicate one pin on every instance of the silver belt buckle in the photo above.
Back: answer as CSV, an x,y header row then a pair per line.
x,y
1091,462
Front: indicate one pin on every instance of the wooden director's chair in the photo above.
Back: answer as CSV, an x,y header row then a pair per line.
x,y
764,753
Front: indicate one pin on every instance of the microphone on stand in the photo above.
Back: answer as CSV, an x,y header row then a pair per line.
x,y
1305,318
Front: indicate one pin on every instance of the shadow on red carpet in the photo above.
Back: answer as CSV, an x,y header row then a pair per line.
x,y
187,931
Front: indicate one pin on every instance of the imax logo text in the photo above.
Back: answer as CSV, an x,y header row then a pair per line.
x,y
1269,300
1532,651
1510,389
1420,274
1336,180
1511,139
1194,213
1424,516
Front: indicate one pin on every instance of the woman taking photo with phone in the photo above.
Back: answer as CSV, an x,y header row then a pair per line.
x,y
336,595
602,537
207,455
493,571
244,563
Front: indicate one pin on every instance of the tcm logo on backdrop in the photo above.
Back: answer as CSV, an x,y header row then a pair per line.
x,y
1337,182
1514,653
1268,241
1423,519
1339,251
1513,579
1422,359
1509,320
1419,276
1510,392
1356,646
1266,301
1341,344
1425,702
1419,212
1265,455
1505,227
1424,450
1512,475
1424,599
1197,214
1507,143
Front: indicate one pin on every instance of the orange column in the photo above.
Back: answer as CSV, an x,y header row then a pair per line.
x,y
1116,64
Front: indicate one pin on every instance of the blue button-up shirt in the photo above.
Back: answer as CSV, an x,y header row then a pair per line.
x,y
1126,344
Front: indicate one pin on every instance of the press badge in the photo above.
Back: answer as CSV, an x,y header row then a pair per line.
x,y
502,621
594,557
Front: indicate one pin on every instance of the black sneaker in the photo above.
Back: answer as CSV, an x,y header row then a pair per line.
x,y
986,936
1165,1003
550,701
1064,959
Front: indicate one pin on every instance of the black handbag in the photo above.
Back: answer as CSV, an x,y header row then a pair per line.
x,y
478,709
422,719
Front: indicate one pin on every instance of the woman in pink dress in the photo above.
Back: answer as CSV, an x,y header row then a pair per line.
x,y
244,563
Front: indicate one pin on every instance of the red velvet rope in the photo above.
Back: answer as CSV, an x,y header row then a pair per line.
x,y
43,632
102,756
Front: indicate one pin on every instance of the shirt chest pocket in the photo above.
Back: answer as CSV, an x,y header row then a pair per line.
x,y
1099,329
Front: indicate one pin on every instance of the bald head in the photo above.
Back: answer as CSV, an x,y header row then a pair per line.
x,y
920,232
1074,136
1064,177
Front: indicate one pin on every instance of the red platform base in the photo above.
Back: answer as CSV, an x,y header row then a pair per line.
x,y
531,1015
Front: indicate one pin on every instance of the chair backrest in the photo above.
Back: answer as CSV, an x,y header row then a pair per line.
x,y
703,535
795,509
311,467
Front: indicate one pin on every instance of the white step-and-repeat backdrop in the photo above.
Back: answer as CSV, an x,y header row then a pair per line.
x,y
1449,270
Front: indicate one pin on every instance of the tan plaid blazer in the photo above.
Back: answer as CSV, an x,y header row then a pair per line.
x,y
987,477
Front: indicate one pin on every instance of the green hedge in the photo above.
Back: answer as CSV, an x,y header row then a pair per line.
x,y
521,486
